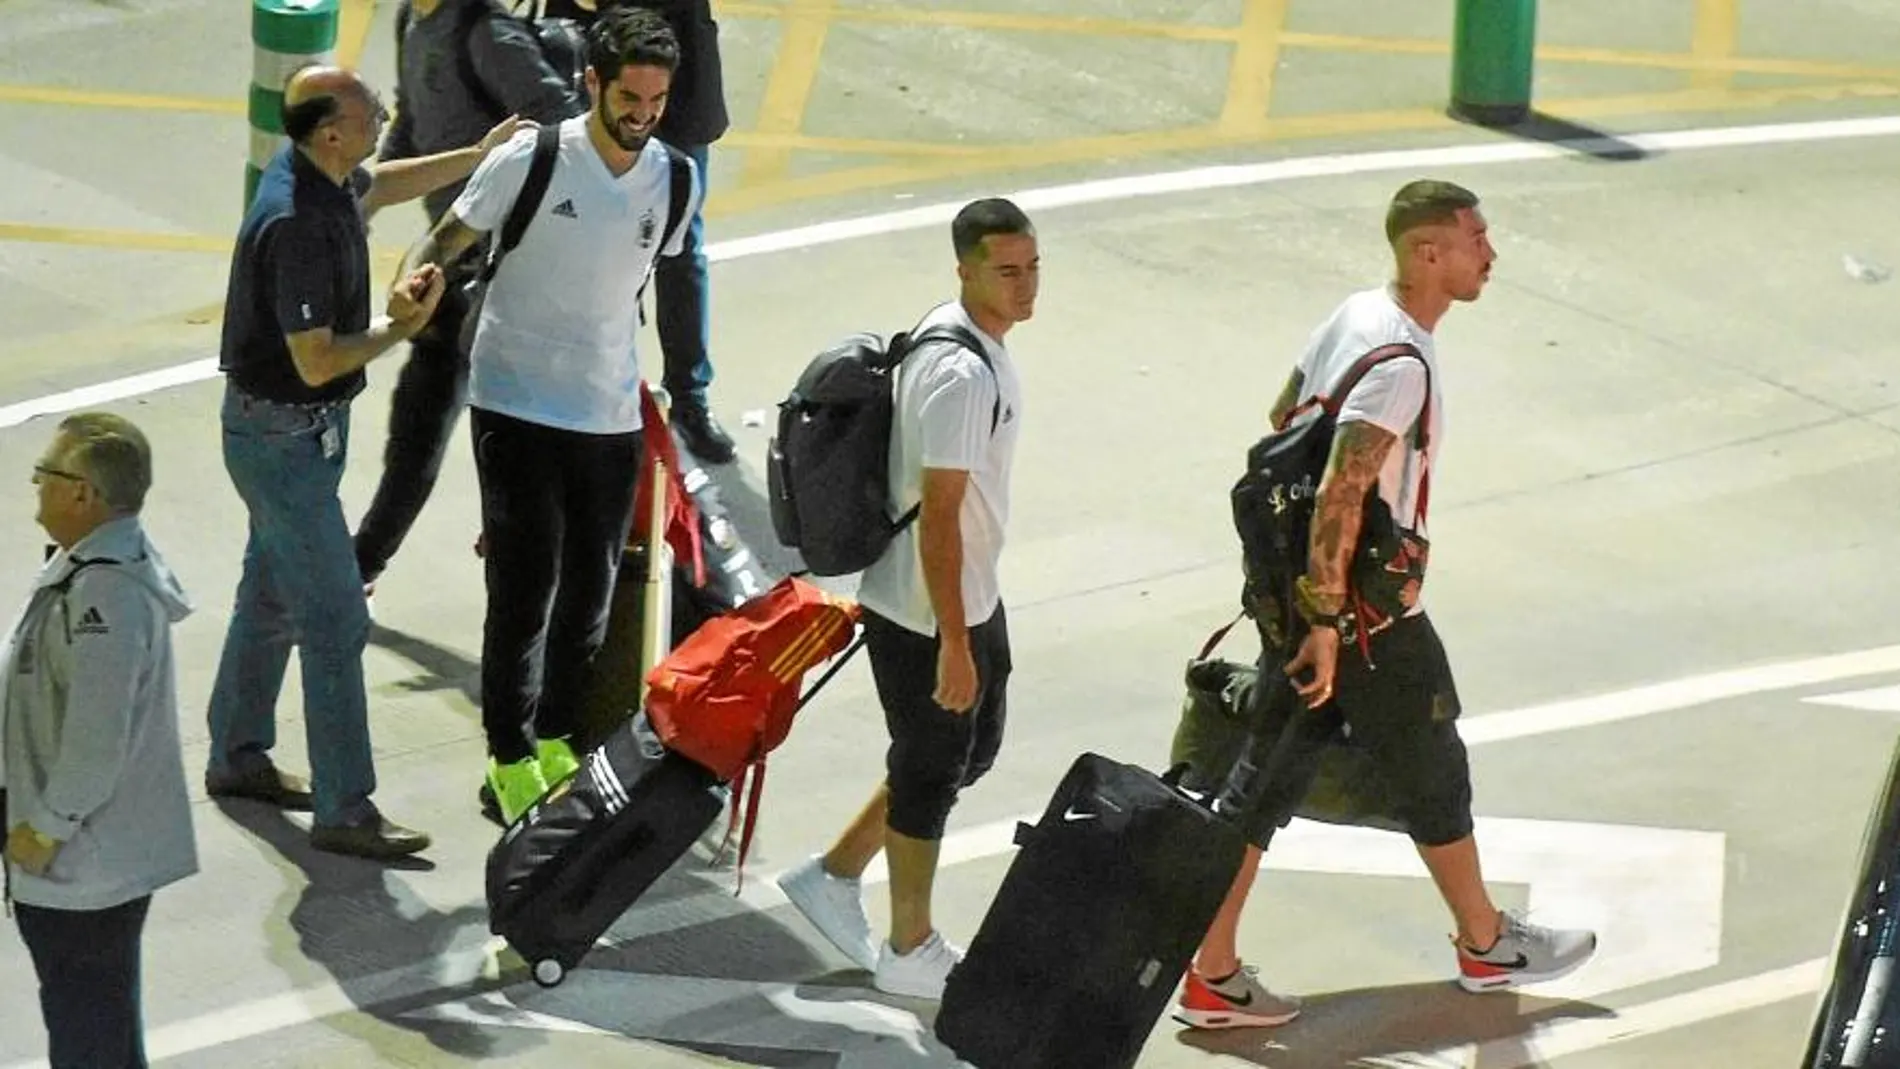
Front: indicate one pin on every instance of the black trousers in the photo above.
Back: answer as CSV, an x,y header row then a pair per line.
x,y
428,400
88,967
557,507
1403,711
935,753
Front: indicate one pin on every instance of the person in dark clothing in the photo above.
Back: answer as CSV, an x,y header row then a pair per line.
x,y
298,331
695,118
440,45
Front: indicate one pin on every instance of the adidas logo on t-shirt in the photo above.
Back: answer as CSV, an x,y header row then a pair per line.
x,y
566,208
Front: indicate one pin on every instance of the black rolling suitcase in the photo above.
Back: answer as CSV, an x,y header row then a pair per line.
x,y
1093,926
578,858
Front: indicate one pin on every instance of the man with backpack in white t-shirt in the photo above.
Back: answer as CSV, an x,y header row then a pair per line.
x,y
1390,682
554,386
934,623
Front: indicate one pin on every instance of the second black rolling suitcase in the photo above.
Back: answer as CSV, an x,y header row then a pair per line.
x,y
1093,926
577,859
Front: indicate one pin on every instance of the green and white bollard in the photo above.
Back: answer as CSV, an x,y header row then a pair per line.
x,y
1493,42
285,35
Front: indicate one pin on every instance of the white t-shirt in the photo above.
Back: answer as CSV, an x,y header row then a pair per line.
x,y
1388,396
945,401
556,342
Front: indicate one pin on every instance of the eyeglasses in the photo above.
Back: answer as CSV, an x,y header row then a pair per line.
x,y
45,471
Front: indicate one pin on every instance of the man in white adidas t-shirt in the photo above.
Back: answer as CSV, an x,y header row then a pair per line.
x,y
554,391
934,623
1391,684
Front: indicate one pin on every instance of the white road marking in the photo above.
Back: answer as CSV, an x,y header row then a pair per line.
x,y
292,1008
1108,190
1877,700
445,973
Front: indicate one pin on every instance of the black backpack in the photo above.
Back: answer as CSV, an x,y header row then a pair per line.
x,y
563,45
827,471
1273,501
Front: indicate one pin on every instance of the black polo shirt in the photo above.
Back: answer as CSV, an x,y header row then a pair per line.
x,y
302,262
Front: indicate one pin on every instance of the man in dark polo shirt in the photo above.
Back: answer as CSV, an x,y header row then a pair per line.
x,y
298,331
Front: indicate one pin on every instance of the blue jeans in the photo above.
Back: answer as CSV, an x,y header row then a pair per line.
x,y
300,587
681,309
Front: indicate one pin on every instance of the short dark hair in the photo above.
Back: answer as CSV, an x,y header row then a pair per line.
x,y
302,118
981,219
625,37
1426,202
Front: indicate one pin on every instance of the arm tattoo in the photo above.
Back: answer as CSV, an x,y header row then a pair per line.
x,y
1359,452
442,245
1289,396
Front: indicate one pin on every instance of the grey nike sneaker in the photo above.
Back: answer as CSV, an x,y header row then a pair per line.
x,y
1525,953
1239,1001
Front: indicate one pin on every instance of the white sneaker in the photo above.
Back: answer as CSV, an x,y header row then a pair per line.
x,y
835,906
920,973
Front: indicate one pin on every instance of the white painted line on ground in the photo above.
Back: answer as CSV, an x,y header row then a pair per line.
x,y
448,972
1107,190
292,1008
1677,694
1578,1035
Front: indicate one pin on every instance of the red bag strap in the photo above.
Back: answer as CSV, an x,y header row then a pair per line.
x,y
1220,633
748,795
1331,402
680,512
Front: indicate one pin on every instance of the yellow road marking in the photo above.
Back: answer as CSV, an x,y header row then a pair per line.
x,y
1250,72
802,30
353,20
1608,57
1001,20
144,240
86,98
984,159
846,146
1717,31
1196,139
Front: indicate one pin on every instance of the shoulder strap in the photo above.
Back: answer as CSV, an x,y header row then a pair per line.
x,y
468,18
679,192
1421,430
547,146
902,346
959,336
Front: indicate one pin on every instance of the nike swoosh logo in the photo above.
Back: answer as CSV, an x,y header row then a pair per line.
x,y
1520,963
1072,815
1241,1002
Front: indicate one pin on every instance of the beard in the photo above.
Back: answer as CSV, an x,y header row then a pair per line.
x,y
622,131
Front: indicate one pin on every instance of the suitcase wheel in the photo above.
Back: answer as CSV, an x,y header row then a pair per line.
x,y
548,972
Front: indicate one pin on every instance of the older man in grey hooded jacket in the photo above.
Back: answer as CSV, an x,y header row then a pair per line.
x,y
95,802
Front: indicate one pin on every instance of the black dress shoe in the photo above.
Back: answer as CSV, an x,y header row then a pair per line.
x,y
703,435
261,783
376,838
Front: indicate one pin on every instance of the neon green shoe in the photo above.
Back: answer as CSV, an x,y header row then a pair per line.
x,y
516,786
557,760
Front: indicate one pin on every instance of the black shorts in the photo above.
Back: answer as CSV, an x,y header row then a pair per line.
x,y
934,752
1401,710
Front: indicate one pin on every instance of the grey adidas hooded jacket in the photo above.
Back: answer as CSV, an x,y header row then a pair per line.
x,y
89,723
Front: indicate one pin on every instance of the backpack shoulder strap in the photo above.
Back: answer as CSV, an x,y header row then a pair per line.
x,y
547,146
468,18
1332,402
679,192
961,337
